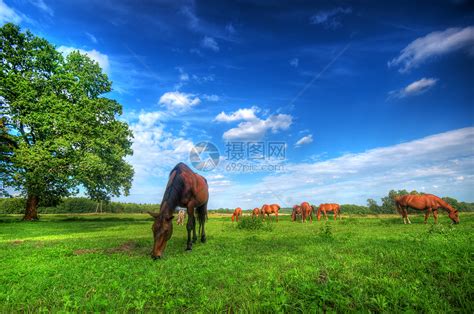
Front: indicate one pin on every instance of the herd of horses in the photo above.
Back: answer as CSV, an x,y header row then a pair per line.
x,y
190,190
304,211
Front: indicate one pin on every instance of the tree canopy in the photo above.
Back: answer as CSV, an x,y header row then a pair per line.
x,y
59,134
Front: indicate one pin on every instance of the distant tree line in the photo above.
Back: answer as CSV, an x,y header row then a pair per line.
x,y
86,205
75,205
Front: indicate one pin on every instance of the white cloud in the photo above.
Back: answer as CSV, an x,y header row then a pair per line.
x,y
241,114
100,58
178,101
255,128
8,14
294,62
155,152
305,140
211,97
330,18
440,159
210,43
415,88
434,44
40,4
91,37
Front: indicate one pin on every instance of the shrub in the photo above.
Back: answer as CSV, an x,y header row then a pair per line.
x,y
249,223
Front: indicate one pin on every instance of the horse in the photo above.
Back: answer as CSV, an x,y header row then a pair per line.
x,y
429,202
324,208
296,211
270,209
184,189
255,212
306,210
181,216
236,214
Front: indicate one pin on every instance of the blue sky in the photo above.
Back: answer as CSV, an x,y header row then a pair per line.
x,y
367,97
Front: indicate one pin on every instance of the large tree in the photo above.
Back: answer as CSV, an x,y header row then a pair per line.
x,y
59,133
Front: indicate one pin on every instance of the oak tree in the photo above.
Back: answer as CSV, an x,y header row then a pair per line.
x,y
59,133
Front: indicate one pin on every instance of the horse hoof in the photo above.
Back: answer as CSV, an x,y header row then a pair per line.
x,y
189,248
203,240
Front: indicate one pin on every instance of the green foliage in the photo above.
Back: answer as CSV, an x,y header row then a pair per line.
x,y
75,205
249,223
101,263
64,134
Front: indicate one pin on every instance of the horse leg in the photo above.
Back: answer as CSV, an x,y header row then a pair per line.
x,y
405,214
335,215
202,232
427,214
189,227
435,215
276,214
325,215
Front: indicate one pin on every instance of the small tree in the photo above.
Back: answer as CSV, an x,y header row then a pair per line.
x,y
63,133
373,206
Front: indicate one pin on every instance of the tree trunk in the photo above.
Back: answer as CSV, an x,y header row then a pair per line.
x,y
31,208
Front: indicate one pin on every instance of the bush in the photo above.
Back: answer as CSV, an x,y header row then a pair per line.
x,y
249,223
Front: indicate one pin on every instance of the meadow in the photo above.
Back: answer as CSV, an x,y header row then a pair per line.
x,y
101,263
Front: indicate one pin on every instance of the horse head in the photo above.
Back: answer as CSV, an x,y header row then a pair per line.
x,y
454,215
162,230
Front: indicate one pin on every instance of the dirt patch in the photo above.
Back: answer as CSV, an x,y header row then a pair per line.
x,y
17,242
85,251
126,247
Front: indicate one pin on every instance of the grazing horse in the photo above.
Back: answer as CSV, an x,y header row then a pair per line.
x,y
270,209
296,211
430,203
236,214
255,212
181,216
324,208
184,189
306,210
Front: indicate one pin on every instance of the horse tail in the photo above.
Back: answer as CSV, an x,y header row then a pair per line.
x,y
201,216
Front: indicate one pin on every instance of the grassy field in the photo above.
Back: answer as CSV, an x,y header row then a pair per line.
x,y
102,263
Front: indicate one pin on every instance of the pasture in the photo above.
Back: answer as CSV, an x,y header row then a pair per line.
x,y
102,263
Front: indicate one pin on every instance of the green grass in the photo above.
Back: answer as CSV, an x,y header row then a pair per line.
x,y
102,263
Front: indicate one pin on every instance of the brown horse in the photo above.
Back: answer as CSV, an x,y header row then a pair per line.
x,y
255,212
430,203
296,211
306,210
270,209
236,214
324,208
184,189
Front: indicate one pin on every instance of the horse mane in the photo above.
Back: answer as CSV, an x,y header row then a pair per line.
x,y
174,188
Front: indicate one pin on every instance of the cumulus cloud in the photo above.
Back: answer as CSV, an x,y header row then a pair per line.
x,y
305,140
241,114
294,62
155,150
100,58
415,88
434,44
8,14
445,160
253,128
330,18
178,101
210,43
